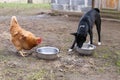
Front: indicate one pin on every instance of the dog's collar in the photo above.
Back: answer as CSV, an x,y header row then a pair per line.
x,y
82,26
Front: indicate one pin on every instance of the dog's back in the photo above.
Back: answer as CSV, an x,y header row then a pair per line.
x,y
97,10
90,17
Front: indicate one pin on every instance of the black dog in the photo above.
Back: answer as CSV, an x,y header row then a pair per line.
x,y
85,26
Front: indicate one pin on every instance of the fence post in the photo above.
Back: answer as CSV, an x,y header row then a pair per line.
x,y
30,1
119,5
93,3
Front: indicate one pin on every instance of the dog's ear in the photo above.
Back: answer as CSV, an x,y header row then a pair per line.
x,y
73,34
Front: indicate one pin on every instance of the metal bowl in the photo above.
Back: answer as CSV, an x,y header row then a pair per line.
x,y
47,52
86,49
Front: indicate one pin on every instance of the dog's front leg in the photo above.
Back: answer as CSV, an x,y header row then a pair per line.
x,y
71,48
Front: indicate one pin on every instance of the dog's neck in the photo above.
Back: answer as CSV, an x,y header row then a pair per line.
x,y
83,30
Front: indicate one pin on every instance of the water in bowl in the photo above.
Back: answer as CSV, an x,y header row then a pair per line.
x,y
47,50
88,46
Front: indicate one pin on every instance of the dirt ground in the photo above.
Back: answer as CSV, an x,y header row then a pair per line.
x,y
55,31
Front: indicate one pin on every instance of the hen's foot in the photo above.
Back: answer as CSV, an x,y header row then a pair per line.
x,y
24,54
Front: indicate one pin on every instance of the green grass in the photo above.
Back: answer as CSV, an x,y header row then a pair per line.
x,y
118,58
24,5
38,76
9,9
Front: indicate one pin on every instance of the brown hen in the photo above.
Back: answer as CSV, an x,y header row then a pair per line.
x,y
21,38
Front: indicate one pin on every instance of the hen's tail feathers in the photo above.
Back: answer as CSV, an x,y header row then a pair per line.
x,y
13,20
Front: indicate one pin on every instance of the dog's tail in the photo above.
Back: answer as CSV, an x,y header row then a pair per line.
x,y
97,10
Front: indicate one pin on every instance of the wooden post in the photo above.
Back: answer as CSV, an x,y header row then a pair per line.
x,y
30,1
119,5
93,5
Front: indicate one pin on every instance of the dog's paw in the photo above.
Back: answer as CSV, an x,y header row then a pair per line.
x,y
70,50
99,43
89,42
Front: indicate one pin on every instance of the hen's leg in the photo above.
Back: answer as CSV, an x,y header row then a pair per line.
x,y
22,53
18,46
